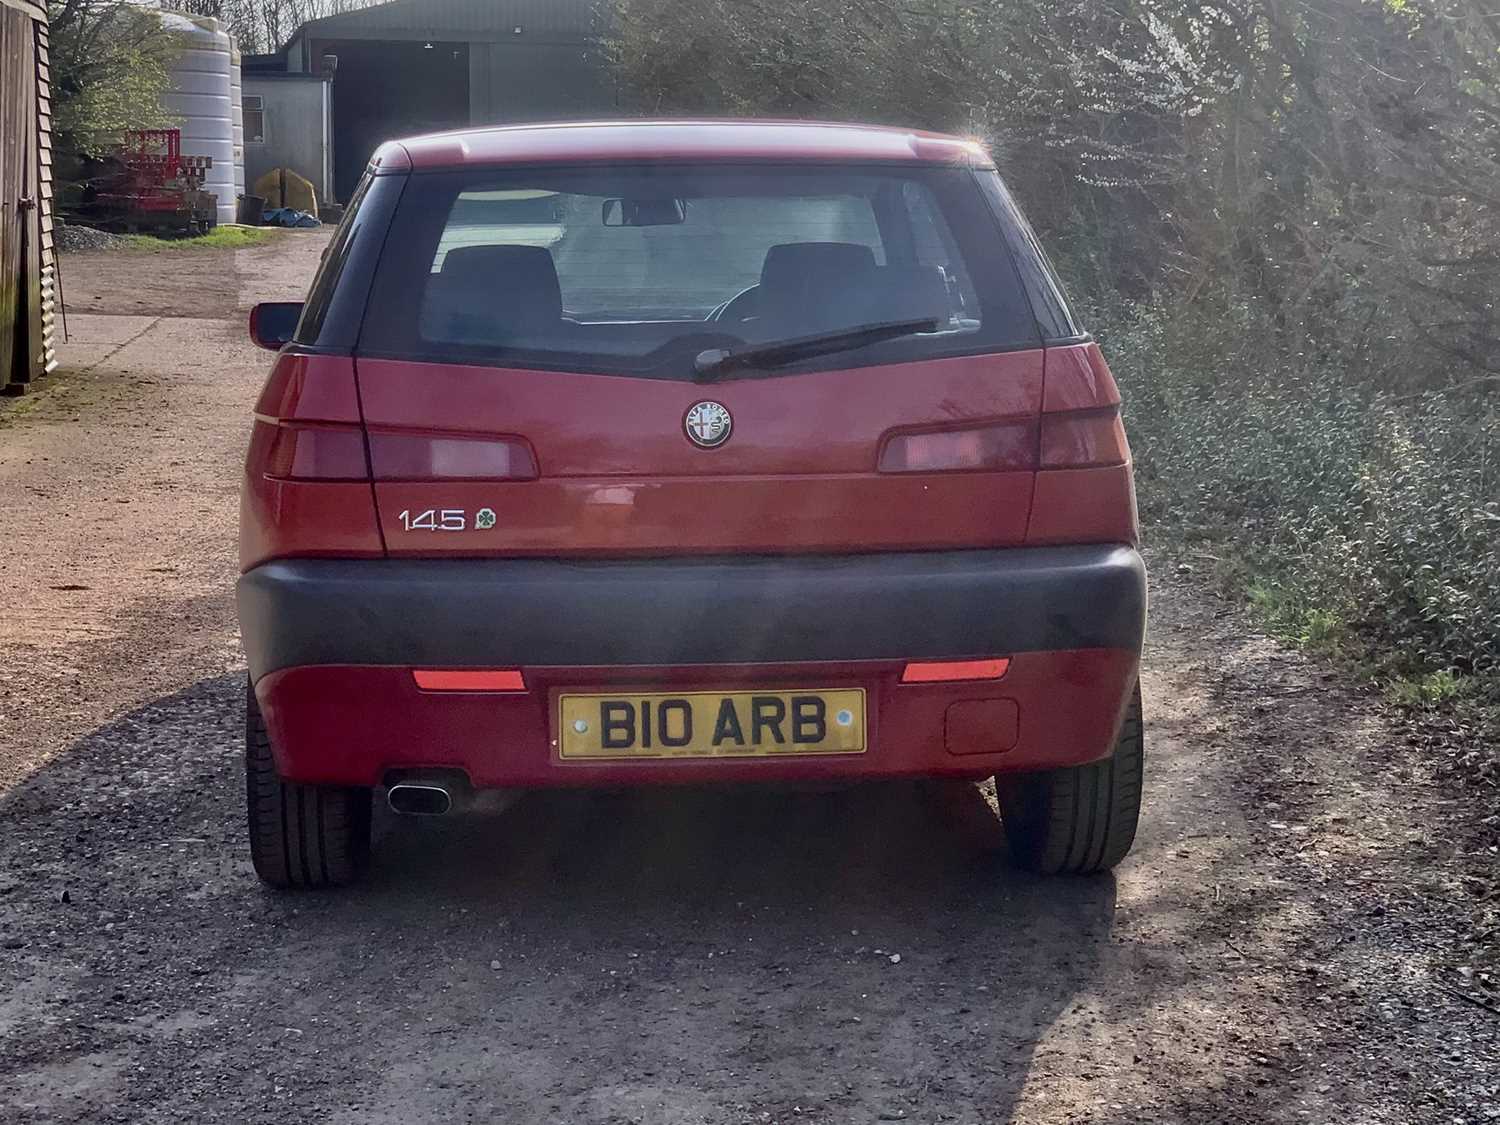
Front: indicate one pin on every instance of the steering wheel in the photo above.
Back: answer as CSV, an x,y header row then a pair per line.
x,y
746,299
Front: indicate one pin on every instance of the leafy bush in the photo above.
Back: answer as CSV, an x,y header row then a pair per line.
x,y
110,64
1361,523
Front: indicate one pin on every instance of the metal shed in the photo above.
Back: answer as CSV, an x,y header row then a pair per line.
x,y
28,265
414,66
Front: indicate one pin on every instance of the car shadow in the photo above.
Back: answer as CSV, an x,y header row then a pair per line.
x,y
852,940
693,954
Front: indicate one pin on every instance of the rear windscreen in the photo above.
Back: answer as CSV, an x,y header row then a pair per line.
x,y
638,269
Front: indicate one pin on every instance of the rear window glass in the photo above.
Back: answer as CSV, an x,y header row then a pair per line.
x,y
638,269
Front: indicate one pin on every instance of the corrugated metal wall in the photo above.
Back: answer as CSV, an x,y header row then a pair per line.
x,y
28,267
536,82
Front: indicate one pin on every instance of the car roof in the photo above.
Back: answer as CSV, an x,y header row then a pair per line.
x,y
689,140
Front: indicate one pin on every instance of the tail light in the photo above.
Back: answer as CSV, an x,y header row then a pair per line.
x,y
1081,425
315,452
1007,446
1080,439
1084,490
418,457
1072,439
307,478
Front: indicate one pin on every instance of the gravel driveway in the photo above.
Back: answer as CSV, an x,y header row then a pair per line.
x,y
1287,944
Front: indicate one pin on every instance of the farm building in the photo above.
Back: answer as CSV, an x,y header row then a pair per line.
x,y
28,266
415,66
288,124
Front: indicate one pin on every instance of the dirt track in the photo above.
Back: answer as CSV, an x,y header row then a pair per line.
x,y
1283,946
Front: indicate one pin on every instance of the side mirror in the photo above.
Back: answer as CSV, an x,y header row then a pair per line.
x,y
273,323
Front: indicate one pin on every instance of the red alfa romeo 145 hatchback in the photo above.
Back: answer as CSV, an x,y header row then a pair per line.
x,y
685,452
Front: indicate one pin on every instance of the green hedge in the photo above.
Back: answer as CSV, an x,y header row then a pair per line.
x,y
1359,522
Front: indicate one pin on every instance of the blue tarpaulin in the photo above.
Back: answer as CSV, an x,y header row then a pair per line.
x,y
287,217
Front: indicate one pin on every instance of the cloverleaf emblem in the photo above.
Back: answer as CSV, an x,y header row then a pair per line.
x,y
484,519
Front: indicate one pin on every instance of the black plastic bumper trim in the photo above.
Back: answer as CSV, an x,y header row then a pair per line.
x,y
747,610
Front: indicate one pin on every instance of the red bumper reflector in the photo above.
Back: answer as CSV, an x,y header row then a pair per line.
x,y
468,679
946,671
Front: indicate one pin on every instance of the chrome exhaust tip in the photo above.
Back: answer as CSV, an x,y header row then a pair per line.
x,y
419,799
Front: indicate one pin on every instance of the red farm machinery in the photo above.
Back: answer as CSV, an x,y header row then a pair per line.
x,y
149,185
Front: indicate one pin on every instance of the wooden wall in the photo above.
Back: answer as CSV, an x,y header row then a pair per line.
x,y
28,260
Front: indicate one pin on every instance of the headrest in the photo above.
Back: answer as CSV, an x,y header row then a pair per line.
x,y
518,282
798,264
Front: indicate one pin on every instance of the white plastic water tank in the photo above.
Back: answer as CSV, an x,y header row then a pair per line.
x,y
200,101
237,115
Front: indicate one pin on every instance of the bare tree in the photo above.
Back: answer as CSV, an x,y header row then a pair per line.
x,y
265,25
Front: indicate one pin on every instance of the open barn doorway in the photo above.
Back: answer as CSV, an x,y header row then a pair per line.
x,y
386,89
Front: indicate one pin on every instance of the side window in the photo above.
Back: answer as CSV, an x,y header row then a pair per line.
x,y
319,299
930,247
936,249
254,106
1049,304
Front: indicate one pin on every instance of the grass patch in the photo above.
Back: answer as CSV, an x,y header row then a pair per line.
x,y
1318,628
15,407
1452,706
1459,700
220,238
1435,689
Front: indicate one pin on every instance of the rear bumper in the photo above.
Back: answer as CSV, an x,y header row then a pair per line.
x,y
331,645
653,612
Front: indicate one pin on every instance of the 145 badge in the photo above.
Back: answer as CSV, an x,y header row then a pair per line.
x,y
447,519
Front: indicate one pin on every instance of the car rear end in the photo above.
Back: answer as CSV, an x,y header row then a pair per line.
x,y
665,458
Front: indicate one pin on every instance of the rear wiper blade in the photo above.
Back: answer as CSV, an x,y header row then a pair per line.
x,y
721,361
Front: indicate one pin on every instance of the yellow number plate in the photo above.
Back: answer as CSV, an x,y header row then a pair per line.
x,y
712,724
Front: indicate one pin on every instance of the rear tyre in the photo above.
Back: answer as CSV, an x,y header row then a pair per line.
x,y
300,835
1081,819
